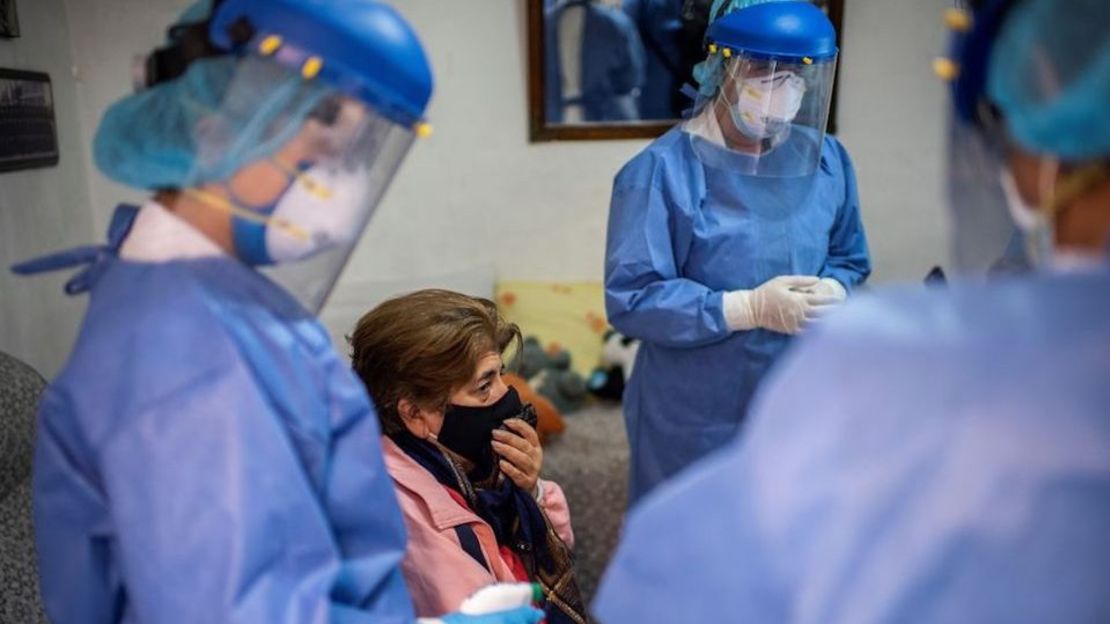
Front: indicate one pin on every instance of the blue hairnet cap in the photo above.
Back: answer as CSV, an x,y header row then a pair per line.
x,y
196,12
1049,74
148,140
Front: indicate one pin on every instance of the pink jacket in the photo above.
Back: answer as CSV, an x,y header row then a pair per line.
x,y
439,573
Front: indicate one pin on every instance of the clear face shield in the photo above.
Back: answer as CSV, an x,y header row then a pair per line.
x,y
767,117
990,230
300,168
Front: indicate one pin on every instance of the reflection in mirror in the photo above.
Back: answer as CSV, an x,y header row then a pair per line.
x,y
619,60
615,68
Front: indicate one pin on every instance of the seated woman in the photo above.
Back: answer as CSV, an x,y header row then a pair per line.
x,y
464,462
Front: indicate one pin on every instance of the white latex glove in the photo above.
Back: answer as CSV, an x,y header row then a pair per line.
x,y
783,304
829,288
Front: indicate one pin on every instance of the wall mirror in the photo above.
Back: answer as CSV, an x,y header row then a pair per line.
x,y
613,69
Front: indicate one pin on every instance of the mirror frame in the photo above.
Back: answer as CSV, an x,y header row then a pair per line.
x,y
539,130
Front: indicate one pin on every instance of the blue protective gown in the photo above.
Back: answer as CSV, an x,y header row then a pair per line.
x,y
205,456
684,228
924,457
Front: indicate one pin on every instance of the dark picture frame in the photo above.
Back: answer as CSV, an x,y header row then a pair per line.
x,y
9,19
28,129
540,129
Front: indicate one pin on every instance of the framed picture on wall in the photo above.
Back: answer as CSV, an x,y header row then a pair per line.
x,y
638,53
9,19
28,135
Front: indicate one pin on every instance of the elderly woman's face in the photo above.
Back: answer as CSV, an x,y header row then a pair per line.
x,y
485,387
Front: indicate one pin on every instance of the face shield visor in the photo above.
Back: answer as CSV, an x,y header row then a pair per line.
x,y
991,229
767,117
299,167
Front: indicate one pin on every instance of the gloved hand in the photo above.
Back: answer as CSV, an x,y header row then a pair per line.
x,y
519,615
829,287
783,304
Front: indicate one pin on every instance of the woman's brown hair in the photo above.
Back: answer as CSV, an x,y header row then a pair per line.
x,y
423,346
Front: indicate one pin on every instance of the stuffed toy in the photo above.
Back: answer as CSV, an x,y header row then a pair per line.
x,y
532,358
548,371
618,354
565,388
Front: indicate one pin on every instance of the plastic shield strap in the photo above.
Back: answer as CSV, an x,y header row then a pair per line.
x,y
302,168
766,117
984,235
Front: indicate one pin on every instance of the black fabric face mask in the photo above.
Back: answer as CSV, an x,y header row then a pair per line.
x,y
468,431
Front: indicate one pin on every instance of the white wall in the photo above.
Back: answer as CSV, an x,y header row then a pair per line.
x,y
111,34
43,209
476,192
891,120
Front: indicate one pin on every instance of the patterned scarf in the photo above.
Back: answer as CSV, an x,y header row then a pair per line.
x,y
517,522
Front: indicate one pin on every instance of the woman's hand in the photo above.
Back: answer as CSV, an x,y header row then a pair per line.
x,y
521,453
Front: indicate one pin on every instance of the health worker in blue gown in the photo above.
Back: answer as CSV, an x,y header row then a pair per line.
x,y
955,464
729,233
205,455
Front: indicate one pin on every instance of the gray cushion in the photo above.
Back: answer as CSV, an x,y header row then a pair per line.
x,y
20,388
19,577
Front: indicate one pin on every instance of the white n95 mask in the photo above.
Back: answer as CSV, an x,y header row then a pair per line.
x,y
766,105
322,210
